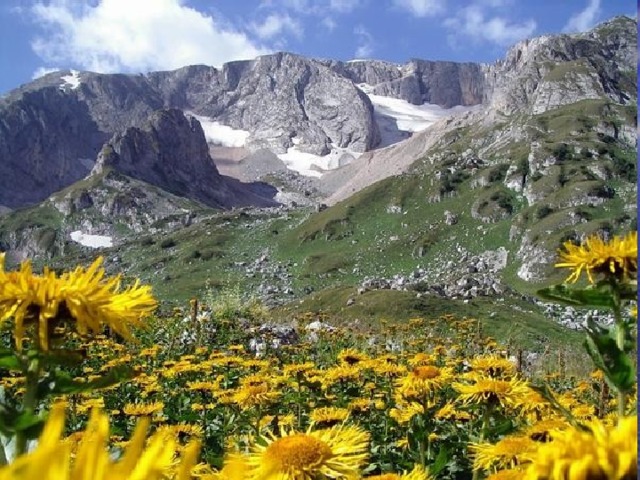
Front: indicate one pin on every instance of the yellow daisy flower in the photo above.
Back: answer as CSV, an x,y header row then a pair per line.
x,y
351,356
84,296
510,474
423,380
418,473
335,453
493,366
509,452
618,257
143,409
144,460
328,416
491,391
601,452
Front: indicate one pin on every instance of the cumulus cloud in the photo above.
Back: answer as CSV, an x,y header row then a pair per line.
x,y
473,22
421,8
138,36
42,71
343,6
275,25
329,23
585,19
365,42
312,7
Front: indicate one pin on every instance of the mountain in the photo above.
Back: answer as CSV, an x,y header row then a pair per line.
x,y
426,169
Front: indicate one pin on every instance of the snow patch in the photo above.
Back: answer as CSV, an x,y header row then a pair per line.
x,y
315,165
93,241
219,134
73,80
398,119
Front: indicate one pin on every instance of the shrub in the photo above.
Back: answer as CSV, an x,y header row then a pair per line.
x,y
544,211
168,243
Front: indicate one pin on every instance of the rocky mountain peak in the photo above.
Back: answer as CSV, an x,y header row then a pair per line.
x,y
170,151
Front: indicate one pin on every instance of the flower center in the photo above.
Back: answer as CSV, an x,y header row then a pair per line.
x,y
298,452
426,372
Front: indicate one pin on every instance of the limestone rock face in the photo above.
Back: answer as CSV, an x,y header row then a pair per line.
x,y
47,141
550,71
170,151
443,83
52,129
277,98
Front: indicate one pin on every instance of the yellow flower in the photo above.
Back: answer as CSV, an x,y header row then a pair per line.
x,y
509,452
182,429
328,416
449,412
510,474
143,409
341,373
545,430
335,453
235,468
600,453
418,473
422,381
254,390
360,405
493,366
491,391
351,356
53,458
618,258
405,412
84,296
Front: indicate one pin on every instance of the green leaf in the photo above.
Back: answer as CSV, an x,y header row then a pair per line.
x,y
61,383
440,462
29,424
64,357
9,360
607,356
13,421
593,296
547,394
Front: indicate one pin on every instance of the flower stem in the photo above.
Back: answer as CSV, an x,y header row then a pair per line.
x,y
620,336
29,402
486,419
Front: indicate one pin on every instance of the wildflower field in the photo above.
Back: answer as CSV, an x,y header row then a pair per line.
x,y
97,387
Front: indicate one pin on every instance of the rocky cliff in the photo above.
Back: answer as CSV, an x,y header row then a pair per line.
x,y
170,151
52,129
446,84
549,71
276,98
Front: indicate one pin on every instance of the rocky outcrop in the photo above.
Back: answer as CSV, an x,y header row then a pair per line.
x,y
545,72
474,276
52,129
277,98
418,81
48,140
169,151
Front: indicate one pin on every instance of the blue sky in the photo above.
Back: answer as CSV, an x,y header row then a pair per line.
x,y
37,36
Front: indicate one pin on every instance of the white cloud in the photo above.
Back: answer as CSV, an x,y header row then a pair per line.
x,y
585,19
329,23
365,42
275,25
140,35
343,6
42,71
312,7
421,8
472,22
